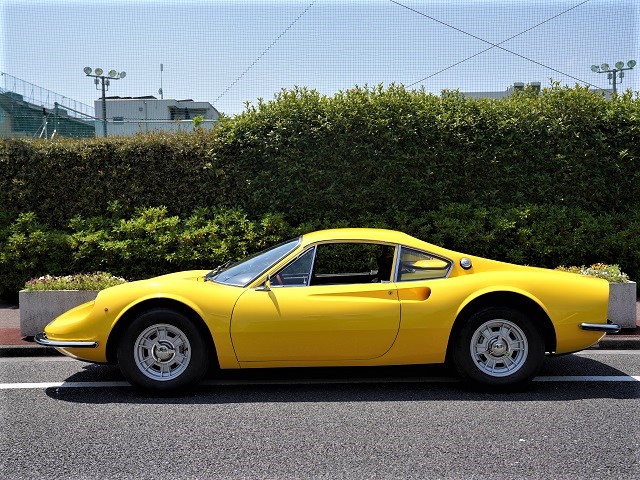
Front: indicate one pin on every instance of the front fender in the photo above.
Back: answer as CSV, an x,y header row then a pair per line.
x,y
124,310
213,310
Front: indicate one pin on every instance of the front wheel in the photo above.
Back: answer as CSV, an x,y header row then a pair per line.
x,y
498,347
162,350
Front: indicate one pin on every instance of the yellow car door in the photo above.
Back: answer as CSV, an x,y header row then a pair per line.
x,y
315,324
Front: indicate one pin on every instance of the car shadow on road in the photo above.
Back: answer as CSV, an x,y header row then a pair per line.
x,y
415,383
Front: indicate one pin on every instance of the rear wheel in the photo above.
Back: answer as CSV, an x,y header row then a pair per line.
x,y
162,350
498,347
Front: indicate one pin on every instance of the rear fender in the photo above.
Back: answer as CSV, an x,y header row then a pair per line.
x,y
506,296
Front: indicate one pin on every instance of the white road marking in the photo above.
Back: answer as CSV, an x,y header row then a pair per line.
x,y
607,352
346,381
20,386
39,359
589,378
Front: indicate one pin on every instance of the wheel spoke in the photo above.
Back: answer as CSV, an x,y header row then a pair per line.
x,y
162,334
146,363
165,369
482,347
508,362
491,364
487,334
505,331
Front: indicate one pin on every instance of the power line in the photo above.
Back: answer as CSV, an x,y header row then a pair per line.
x,y
493,45
263,53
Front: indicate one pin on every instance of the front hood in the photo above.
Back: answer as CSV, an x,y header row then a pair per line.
x,y
156,286
205,298
195,275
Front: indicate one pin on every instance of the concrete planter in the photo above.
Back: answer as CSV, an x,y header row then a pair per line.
x,y
38,308
622,304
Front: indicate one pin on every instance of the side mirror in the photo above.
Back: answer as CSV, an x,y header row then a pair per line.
x,y
266,286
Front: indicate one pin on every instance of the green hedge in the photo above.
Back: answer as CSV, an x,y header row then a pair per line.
x,y
153,242
363,151
541,180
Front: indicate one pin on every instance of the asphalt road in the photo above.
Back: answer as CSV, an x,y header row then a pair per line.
x,y
67,419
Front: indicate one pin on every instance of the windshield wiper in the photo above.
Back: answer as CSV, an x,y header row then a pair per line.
x,y
223,266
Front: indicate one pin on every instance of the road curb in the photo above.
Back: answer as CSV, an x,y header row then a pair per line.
x,y
34,350
631,342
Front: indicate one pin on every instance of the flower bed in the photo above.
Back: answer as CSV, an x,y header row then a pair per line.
x,y
81,281
45,298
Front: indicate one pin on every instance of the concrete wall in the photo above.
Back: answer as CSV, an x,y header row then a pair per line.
x,y
622,304
38,308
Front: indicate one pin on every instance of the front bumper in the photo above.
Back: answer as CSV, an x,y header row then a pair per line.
x,y
608,327
42,339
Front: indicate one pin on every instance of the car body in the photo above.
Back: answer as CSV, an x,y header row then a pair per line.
x,y
341,297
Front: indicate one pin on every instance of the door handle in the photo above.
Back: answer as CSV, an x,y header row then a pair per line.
x,y
419,294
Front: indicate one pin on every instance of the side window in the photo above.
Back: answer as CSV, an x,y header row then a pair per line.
x,y
297,273
417,265
347,263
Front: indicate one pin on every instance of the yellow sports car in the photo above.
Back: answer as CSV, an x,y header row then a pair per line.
x,y
336,298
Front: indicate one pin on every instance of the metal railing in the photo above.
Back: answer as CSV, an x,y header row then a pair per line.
x,y
22,90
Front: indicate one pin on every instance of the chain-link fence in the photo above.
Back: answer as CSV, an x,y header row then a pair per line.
x,y
27,110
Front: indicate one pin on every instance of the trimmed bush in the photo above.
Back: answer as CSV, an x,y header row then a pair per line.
x,y
365,151
29,248
152,242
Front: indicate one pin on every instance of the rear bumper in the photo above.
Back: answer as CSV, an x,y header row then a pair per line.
x,y
42,339
601,327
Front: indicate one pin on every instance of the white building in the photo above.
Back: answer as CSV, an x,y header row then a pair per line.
x,y
505,93
521,86
130,115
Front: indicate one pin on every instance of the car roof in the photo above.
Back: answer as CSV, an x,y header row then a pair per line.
x,y
375,234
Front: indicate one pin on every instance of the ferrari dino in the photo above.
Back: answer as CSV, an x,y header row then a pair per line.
x,y
343,297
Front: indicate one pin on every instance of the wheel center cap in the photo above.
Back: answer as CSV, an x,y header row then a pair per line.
x,y
163,351
498,347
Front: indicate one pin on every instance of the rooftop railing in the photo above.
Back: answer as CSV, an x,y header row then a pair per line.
x,y
22,90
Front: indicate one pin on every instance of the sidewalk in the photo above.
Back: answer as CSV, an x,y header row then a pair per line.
x,y
12,344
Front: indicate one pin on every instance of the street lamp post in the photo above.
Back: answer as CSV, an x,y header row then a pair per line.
x,y
105,81
614,74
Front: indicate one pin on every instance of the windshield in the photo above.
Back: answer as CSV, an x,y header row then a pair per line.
x,y
248,269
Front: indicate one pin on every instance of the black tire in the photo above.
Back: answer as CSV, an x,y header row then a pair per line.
x,y
162,350
498,347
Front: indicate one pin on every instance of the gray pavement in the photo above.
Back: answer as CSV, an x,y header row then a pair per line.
x,y
12,343
399,423
9,316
